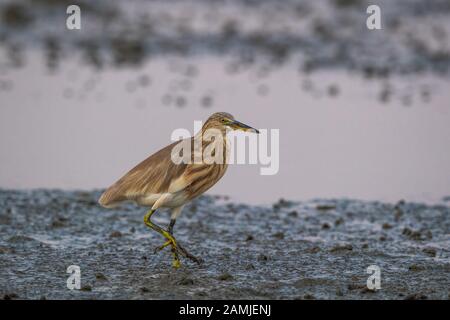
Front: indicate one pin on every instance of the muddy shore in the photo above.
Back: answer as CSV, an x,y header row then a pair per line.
x,y
319,249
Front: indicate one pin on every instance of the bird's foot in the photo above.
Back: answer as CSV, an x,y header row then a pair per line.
x,y
188,255
157,249
176,263
178,249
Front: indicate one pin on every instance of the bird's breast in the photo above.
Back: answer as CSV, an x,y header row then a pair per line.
x,y
202,177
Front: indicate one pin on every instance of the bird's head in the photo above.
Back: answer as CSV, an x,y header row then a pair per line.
x,y
223,120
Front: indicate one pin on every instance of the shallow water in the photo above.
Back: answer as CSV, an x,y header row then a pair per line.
x,y
82,129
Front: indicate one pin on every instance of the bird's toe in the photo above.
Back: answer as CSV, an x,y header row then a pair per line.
x,y
188,255
159,248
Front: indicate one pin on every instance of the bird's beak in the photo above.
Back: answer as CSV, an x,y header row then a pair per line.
x,y
242,126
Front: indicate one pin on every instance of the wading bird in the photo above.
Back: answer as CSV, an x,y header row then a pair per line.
x,y
160,182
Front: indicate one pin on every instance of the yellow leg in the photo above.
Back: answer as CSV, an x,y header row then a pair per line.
x,y
162,246
170,239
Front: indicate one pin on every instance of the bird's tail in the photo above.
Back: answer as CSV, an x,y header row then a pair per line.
x,y
111,197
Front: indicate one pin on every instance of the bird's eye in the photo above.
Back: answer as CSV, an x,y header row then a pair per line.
x,y
223,120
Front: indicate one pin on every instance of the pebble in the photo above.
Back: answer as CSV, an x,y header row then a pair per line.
x,y
225,277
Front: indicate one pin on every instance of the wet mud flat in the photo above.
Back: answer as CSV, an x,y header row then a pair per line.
x,y
318,249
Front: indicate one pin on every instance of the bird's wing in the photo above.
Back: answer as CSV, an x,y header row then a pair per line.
x,y
154,175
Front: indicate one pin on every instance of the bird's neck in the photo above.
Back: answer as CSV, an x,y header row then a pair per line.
x,y
212,142
211,134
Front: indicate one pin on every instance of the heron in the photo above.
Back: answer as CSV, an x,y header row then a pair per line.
x,y
163,181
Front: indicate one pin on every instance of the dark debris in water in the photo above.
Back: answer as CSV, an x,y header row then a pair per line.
x,y
285,31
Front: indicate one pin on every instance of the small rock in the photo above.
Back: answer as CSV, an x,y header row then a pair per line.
x,y
20,239
10,296
386,226
3,250
326,226
86,288
325,207
186,281
282,203
430,251
225,277
416,296
397,213
100,276
354,286
340,248
314,249
412,234
338,221
278,235
293,214
309,297
249,267
115,234
57,223
415,267
367,290
263,257
201,293
249,238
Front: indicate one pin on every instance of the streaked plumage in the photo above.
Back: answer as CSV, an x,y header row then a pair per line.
x,y
158,182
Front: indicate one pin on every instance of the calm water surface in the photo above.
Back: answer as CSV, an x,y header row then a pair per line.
x,y
79,128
